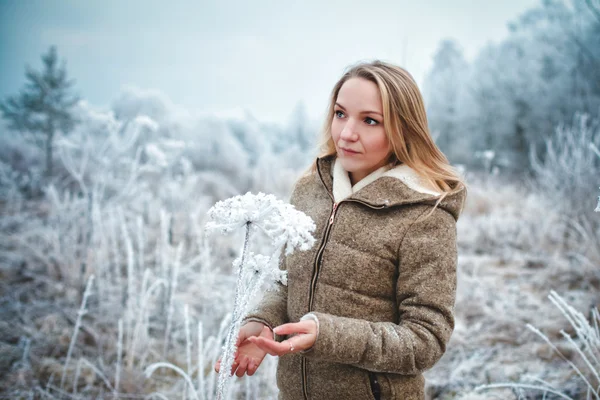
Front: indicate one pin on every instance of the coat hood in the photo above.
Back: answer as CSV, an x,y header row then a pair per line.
x,y
394,187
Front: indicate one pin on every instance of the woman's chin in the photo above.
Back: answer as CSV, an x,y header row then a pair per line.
x,y
348,165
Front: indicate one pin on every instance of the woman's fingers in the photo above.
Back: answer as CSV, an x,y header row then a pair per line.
x,y
306,326
305,334
241,370
270,346
292,327
252,366
244,364
218,366
247,357
291,345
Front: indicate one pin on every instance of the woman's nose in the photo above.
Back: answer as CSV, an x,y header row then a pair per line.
x,y
349,132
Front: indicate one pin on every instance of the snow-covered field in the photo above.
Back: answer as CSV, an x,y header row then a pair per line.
x,y
130,208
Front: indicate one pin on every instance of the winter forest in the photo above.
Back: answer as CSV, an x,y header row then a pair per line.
x,y
110,287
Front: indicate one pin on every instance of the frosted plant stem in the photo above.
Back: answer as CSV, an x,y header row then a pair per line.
x,y
114,235
101,256
144,318
201,391
523,386
139,324
175,274
131,304
254,284
153,367
80,315
596,318
188,342
240,287
578,350
216,354
163,253
77,372
545,338
99,373
595,149
140,242
230,348
119,361
26,349
583,330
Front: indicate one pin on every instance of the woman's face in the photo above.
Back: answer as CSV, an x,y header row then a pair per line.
x,y
357,128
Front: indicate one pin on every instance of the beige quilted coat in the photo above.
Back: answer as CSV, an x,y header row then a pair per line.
x,y
381,284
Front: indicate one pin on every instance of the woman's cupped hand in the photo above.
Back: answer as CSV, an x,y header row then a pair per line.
x,y
301,336
255,340
248,356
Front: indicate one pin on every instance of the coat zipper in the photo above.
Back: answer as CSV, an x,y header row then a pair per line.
x,y
375,387
316,265
313,283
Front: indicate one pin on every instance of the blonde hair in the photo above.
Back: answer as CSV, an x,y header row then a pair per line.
x,y
405,125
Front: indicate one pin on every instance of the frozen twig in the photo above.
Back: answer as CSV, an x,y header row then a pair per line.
x,y
82,311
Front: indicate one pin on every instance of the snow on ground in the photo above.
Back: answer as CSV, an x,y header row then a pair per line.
x,y
142,237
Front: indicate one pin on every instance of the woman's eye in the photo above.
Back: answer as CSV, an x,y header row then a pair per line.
x,y
371,121
337,114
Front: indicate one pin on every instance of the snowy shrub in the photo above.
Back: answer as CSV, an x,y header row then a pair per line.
x,y
21,167
585,344
127,203
284,225
502,217
569,176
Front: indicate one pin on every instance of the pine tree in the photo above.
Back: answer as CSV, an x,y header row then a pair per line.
x,y
44,105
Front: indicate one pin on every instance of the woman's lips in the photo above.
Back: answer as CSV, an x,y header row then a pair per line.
x,y
348,152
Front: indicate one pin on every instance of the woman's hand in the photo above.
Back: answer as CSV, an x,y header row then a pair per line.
x,y
305,334
248,356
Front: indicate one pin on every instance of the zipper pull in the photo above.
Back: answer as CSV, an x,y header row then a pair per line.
x,y
333,213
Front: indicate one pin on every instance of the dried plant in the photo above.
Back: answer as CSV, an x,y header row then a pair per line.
x,y
284,225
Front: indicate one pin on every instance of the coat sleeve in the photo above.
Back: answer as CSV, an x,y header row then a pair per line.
x,y
425,291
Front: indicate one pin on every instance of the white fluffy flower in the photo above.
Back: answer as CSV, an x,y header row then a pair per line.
x,y
280,221
285,225
254,262
259,264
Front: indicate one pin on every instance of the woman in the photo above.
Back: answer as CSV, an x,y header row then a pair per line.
x,y
370,306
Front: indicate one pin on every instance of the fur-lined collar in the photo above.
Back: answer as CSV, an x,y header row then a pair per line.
x,y
342,187
397,186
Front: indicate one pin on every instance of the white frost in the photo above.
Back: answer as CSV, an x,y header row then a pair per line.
x,y
280,221
284,225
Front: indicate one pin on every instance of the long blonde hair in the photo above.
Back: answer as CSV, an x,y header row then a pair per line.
x,y
405,125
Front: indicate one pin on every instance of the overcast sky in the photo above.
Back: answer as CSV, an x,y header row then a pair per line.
x,y
228,56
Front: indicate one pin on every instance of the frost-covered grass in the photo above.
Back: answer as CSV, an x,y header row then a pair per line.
x,y
569,176
130,209
130,206
512,254
585,344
